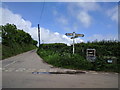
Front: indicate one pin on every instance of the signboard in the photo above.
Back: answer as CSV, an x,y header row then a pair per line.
x,y
74,35
69,34
79,35
110,61
90,55
90,52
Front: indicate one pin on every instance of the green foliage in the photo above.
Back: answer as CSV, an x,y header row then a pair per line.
x,y
0,51
15,41
63,59
34,42
99,64
60,55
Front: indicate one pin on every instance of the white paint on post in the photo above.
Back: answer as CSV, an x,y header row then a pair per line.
x,y
73,46
73,42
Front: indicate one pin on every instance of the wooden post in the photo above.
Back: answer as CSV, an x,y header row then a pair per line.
x,y
39,34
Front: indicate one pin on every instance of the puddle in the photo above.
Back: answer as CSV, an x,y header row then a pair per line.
x,y
40,73
46,73
56,73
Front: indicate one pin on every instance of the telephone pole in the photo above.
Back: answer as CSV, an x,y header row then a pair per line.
x,y
39,34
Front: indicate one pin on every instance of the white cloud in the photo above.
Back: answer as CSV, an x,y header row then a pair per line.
x,y
55,12
75,26
88,6
80,11
46,35
84,18
56,33
62,20
78,40
113,13
77,12
9,17
100,37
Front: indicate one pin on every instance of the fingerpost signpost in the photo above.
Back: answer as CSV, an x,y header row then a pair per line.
x,y
74,35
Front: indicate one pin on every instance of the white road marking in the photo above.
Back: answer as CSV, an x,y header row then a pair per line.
x,y
0,69
105,73
20,70
10,64
53,70
31,70
86,72
6,70
3,69
42,70
94,73
11,69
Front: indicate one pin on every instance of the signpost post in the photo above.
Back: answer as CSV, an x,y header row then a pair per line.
x,y
74,35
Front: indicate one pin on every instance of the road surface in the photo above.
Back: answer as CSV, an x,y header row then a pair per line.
x,y
17,72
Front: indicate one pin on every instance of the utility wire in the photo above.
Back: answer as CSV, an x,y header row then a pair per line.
x,y
42,11
39,36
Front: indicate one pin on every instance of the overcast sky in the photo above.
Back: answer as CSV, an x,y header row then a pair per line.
x,y
96,20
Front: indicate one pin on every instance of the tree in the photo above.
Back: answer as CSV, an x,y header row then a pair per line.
x,y
11,35
8,34
35,42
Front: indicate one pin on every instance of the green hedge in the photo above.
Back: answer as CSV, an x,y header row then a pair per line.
x,y
16,49
15,41
63,57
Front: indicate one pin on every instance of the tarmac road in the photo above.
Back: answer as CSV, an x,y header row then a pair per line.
x,y
17,72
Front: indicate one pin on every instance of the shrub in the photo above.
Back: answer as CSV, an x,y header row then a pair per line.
x,y
64,59
61,55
